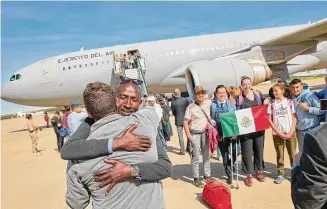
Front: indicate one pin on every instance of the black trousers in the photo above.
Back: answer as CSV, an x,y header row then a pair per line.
x,y
252,146
224,147
60,140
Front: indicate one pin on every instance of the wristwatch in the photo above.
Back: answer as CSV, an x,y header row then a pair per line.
x,y
135,171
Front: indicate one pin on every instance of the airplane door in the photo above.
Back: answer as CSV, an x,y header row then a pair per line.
x,y
45,72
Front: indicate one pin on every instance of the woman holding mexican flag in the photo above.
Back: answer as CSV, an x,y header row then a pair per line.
x,y
252,143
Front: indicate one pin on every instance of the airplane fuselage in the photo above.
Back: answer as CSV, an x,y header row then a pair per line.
x,y
58,80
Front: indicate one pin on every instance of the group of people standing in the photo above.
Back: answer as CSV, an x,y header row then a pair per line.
x,y
109,145
64,124
128,61
292,113
197,116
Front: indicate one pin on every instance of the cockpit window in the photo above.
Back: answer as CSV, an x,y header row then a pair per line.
x,y
18,76
12,78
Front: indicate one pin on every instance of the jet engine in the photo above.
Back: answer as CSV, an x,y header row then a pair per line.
x,y
211,73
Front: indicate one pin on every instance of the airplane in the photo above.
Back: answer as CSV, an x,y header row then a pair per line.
x,y
207,60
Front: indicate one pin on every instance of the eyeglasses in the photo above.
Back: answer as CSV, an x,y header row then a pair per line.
x,y
124,80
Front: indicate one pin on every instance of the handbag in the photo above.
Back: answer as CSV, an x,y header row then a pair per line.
x,y
211,121
216,195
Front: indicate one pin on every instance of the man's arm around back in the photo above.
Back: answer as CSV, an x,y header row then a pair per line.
x,y
78,148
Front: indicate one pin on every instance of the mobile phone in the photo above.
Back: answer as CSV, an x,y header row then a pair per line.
x,y
323,104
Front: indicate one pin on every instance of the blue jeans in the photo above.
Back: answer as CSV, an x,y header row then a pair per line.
x,y
162,136
218,152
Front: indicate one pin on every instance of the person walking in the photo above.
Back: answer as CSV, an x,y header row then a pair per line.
x,y
178,108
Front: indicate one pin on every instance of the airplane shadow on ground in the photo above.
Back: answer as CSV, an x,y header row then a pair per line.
x,y
25,129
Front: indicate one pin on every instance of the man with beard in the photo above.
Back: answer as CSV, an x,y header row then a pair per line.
x,y
128,101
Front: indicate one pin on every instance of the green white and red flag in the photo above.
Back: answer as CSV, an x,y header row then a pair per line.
x,y
244,121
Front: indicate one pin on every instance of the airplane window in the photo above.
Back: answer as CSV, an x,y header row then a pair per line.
x,y
102,62
63,68
18,76
96,63
91,64
80,66
108,61
74,66
85,65
12,78
69,67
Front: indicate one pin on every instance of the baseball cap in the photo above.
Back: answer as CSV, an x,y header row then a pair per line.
x,y
75,102
199,89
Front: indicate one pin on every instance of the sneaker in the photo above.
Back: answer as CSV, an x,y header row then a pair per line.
x,y
198,183
208,178
248,181
229,180
279,180
260,176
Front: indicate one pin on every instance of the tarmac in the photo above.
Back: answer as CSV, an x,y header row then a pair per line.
x,y
40,182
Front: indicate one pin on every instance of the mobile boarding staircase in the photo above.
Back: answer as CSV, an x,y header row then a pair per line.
x,y
133,73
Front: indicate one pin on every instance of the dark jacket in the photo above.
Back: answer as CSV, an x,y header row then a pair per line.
x,y
178,107
309,179
165,112
78,148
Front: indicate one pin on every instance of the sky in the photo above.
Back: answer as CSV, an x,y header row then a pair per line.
x,y
32,31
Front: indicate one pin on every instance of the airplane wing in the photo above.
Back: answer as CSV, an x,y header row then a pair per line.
x,y
311,32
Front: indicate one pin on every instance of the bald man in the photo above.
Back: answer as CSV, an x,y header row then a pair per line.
x,y
128,101
178,107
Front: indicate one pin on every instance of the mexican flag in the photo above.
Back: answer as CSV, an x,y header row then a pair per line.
x,y
244,121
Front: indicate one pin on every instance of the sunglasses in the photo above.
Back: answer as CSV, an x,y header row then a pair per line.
x,y
137,82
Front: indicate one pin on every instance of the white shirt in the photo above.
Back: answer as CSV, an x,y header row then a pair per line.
x,y
282,114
